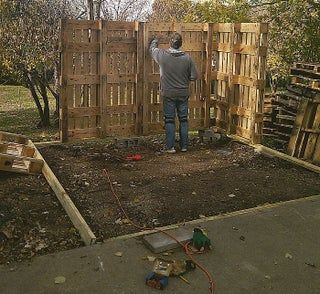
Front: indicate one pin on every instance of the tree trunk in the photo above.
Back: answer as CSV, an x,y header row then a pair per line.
x,y
98,9
90,9
46,108
32,88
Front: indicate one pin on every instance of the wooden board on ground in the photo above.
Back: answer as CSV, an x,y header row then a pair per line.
x,y
78,221
274,153
160,242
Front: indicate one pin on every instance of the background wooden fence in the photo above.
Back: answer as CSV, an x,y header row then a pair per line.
x,y
110,84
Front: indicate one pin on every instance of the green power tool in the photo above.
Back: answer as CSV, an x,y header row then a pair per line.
x,y
200,240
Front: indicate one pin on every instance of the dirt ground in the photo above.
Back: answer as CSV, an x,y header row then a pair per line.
x,y
32,221
160,189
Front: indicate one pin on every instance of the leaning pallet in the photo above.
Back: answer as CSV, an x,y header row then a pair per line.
x,y
305,138
16,156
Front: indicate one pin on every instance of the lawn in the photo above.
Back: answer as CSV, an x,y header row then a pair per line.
x,y
18,114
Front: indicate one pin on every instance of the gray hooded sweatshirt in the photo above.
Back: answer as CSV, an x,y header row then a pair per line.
x,y
176,70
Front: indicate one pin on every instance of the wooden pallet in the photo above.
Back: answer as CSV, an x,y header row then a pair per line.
x,y
14,138
308,66
305,138
16,156
306,82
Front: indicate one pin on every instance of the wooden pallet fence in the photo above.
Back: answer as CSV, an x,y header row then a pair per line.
x,y
238,72
110,84
80,110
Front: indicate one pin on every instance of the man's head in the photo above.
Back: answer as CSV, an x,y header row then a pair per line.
x,y
176,41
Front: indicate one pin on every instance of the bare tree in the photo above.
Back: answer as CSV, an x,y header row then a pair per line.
x,y
90,9
121,10
29,46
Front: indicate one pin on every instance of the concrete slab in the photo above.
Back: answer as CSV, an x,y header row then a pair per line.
x,y
249,256
159,242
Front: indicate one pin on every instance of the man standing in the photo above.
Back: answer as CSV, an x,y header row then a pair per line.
x,y
176,71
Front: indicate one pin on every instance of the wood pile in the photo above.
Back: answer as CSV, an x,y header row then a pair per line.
x,y
281,108
17,156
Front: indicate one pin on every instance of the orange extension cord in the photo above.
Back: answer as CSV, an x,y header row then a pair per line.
x,y
184,246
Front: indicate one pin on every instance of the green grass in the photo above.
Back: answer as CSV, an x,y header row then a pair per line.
x,y
19,114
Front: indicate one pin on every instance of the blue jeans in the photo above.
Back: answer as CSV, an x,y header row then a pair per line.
x,y
170,105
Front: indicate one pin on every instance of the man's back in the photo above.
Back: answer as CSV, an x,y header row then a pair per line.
x,y
176,71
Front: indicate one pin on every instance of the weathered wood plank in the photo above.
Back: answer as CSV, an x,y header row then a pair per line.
x,y
119,78
83,24
121,47
78,112
297,127
80,79
32,165
78,221
294,160
11,137
66,62
116,109
16,149
120,25
83,133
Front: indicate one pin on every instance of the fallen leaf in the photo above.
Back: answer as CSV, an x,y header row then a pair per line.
x,y
118,221
59,280
194,193
231,195
125,221
288,255
40,246
155,222
151,258
119,254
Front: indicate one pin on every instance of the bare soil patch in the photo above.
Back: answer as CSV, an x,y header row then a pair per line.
x,y
32,221
160,189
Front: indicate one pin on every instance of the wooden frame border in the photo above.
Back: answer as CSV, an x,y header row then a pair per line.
x,y
198,221
76,218
271,152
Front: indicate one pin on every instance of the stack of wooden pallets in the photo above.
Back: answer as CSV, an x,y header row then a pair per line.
x,y
280,109
17,156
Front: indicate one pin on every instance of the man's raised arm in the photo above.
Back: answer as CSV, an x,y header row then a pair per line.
x,y
154,50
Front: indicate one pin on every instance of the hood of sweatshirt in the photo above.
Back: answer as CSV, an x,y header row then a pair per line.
x,y
175,52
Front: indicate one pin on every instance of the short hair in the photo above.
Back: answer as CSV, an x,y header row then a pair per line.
x,y
176,41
